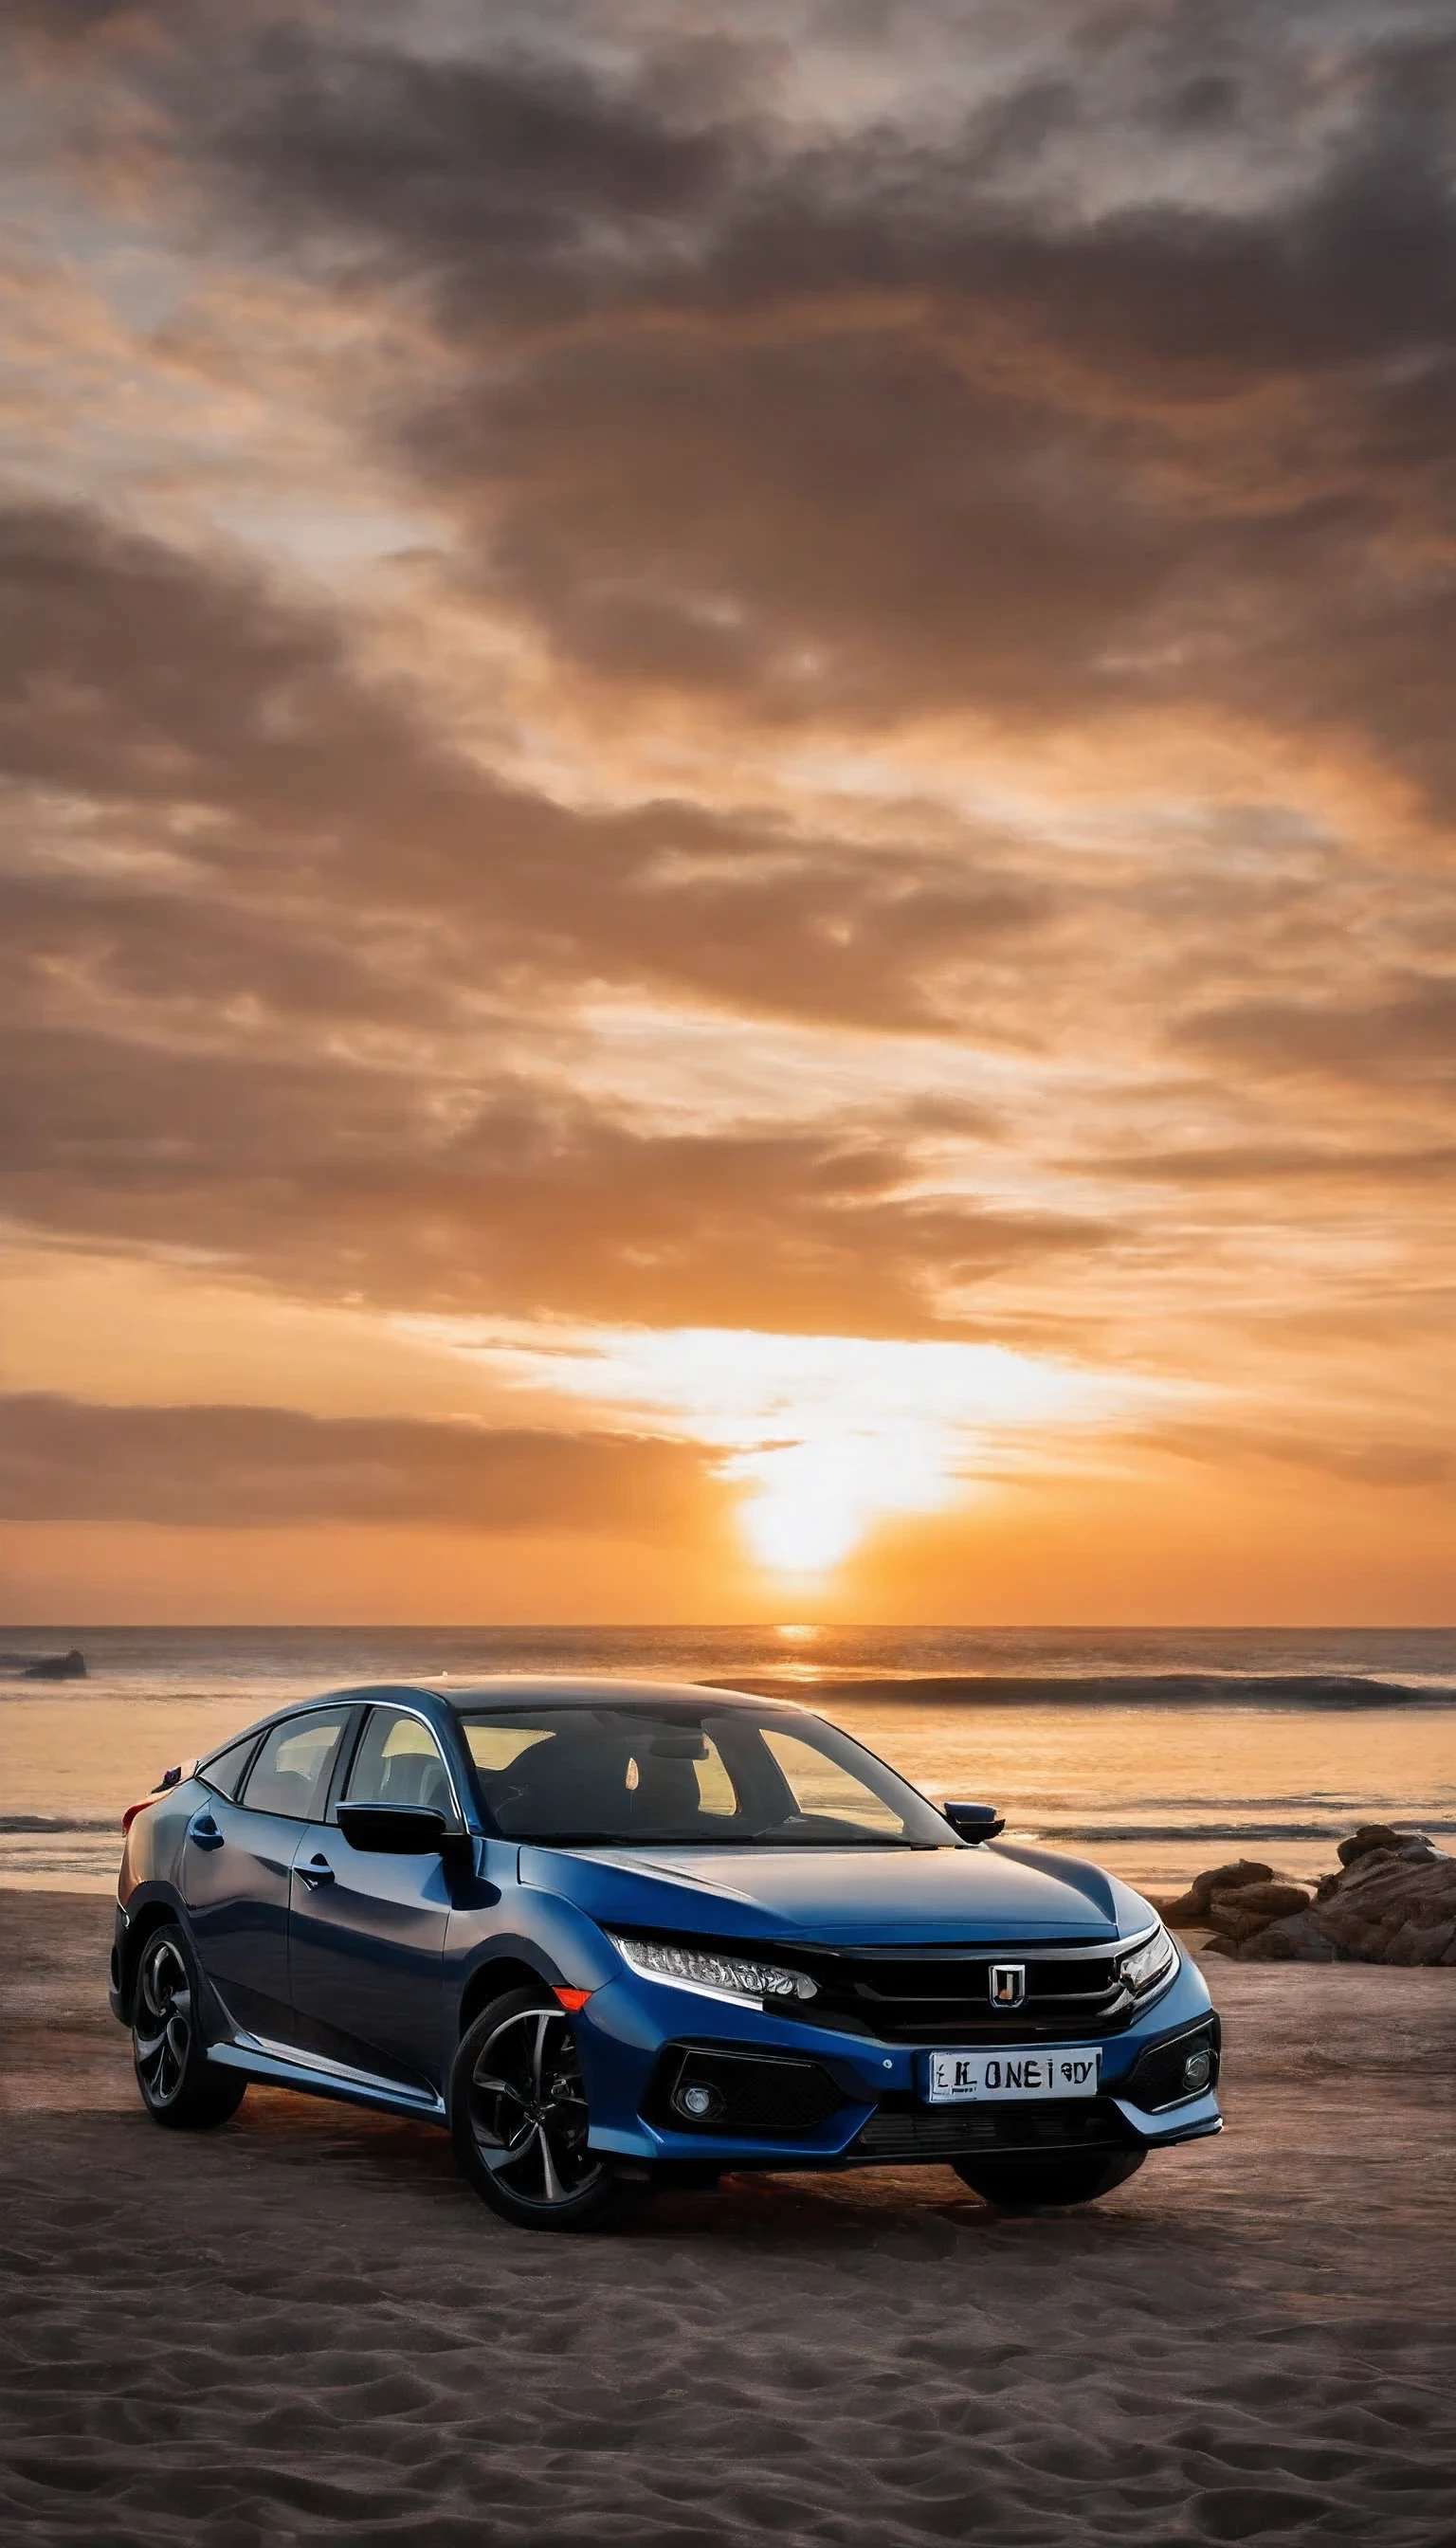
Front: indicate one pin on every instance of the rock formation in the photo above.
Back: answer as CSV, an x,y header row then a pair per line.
x,y
1392,1902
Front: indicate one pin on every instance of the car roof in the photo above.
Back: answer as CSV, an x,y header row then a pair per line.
x,y
577,1690
509,1691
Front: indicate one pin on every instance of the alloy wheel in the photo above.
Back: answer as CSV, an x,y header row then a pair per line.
x,y
162,2028
528,2112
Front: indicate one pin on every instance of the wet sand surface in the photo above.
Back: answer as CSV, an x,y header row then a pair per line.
x,y
304,2328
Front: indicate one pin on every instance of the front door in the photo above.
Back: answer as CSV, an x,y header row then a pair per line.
x,y
368,1929
236,1865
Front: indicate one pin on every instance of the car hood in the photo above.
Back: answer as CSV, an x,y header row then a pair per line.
x,y
848,1896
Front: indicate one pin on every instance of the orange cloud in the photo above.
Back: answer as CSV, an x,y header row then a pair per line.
x,y
694,688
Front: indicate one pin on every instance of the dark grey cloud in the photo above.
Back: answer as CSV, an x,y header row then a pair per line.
x,y
823,527
507,181
518,184
892,419
150,680
67,1459
860,425
66,20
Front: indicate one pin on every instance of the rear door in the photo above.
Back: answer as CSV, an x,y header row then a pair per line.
x,y
237,1862
368,1929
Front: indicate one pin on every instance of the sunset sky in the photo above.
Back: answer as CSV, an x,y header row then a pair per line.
x,y
729,764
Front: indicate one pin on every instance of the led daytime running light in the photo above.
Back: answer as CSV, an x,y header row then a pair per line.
x,y
706,1968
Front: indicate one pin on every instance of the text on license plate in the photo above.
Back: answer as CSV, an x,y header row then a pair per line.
x,y
1068,2070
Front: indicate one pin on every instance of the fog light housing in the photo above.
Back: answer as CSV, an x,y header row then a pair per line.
x,y
1197,2069
699,2100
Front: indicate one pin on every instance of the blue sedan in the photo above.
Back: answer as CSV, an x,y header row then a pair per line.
x,y
615,1935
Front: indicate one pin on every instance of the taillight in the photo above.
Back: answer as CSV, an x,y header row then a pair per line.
x,y
132,1812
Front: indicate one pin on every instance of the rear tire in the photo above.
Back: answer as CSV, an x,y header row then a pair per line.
x,y
1046,2185
519,2120
179,2086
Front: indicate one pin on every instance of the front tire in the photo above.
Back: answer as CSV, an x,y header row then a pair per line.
x,y
1046,2185
519,2118
179,2086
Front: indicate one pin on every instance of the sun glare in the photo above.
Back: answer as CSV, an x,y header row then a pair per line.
x,y
812,1501
827,1434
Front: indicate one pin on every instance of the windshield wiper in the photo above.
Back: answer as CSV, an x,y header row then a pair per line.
x,y
576,1840
832,1840
773,1837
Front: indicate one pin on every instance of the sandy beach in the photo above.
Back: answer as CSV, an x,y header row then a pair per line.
x,y
305,2327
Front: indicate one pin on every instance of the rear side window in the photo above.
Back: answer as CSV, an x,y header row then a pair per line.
x,y
224,1770
291,1772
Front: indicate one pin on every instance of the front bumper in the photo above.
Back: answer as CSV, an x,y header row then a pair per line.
x,y
822,2099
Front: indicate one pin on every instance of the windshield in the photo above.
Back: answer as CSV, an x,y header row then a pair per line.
x,y
739,1776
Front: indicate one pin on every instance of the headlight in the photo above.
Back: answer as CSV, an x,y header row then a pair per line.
x,y
706,1968
1149,1962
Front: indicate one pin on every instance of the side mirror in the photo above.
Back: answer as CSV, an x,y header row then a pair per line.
x,y
408,1831
973,1822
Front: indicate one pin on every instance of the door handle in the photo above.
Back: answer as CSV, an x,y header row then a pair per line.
x,y
204,1830
318,1872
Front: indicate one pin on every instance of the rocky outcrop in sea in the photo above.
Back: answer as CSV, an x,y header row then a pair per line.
x,y
1391,1900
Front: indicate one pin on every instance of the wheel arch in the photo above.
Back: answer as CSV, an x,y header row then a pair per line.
x,y
158,1911
491,1980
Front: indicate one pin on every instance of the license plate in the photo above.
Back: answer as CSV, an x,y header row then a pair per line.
x,y
987,2078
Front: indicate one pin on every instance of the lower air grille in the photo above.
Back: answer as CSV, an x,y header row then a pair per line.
x,y
707,2089
909,2130
1157,2078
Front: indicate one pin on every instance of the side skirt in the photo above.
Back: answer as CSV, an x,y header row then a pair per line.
x,y
280,2066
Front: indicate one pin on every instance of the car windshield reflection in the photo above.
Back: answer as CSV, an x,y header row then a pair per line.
x,y
604,1777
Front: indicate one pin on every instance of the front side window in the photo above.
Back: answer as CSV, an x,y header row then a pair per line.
x,y
612,1773
291,1772
399,1763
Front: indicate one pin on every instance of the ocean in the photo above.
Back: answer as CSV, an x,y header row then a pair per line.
x,y
1155,1751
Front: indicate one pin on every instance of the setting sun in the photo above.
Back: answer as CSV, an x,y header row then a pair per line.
x,y
828,1434
812,1501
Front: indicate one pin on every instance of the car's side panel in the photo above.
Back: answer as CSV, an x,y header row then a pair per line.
x,y
366,1955
234,1879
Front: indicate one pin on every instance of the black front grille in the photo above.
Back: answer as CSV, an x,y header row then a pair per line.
x,y
943,1995
752,2092
901,2127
